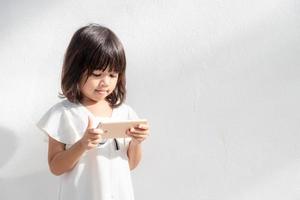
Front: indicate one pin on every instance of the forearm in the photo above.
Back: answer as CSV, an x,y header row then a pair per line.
x,y
134,153
65,161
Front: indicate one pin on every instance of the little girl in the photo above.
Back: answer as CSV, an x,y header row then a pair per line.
x,y
93,83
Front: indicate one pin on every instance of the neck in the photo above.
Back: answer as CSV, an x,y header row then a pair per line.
x,y
98,108
90,102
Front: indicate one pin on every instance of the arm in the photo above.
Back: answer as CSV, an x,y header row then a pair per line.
x,y
61,160
134,152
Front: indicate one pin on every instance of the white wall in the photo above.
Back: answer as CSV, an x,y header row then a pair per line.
x,y
218,80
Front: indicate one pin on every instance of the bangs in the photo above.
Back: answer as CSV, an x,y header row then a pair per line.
x,y
107,54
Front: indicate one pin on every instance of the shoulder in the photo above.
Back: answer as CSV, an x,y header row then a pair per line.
x,y
62,106
126,111
58,110
63,122
124,107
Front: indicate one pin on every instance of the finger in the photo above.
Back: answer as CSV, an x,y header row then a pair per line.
x,y
138,132
142,126
137,135
96,141
96,131
90,123
92,146
94,136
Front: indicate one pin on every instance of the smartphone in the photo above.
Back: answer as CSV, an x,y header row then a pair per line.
x,y
117,129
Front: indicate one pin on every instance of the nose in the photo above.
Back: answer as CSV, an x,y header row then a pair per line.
x,y
105,81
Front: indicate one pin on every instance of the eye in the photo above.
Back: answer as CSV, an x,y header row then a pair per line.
x,y
96,75
113,75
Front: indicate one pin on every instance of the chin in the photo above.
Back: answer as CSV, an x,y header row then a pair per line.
x,y
100,98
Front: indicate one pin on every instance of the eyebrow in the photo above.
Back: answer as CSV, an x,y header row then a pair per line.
x,y
100,71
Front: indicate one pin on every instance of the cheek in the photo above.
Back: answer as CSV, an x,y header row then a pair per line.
x,y
113,83
88,86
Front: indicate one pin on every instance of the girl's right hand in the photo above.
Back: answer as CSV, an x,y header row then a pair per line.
x,y
92,136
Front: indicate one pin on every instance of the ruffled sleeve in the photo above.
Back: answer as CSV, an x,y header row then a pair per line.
x,y
132,114
57,123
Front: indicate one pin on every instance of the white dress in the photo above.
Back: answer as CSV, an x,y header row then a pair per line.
x,y
102,173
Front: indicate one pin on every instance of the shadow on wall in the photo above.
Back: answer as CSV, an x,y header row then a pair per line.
x,y
8,144
30,187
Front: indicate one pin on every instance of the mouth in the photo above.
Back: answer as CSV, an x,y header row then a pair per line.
x,y
101,91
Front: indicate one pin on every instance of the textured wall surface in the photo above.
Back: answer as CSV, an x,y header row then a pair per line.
x,y
218,80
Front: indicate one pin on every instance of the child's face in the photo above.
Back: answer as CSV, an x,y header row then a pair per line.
x,y
99,85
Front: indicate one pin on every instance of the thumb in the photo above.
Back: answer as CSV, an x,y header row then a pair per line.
x,y
90,123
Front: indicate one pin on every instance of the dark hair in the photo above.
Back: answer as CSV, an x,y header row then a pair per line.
x,y
93,47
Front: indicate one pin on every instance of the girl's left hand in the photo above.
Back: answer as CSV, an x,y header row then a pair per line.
x,y
138,133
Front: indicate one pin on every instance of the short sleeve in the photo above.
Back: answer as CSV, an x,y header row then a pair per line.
x,y
57,124
132,114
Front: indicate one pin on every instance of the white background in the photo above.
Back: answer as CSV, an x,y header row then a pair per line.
x,y
218,80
